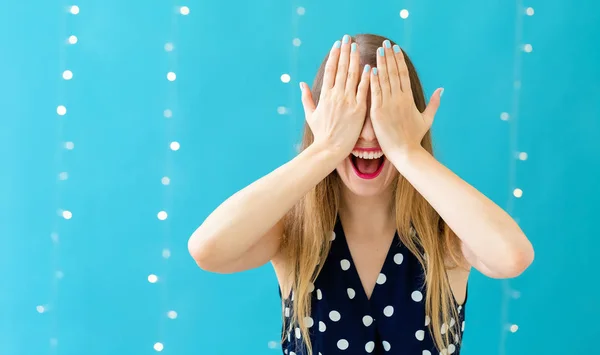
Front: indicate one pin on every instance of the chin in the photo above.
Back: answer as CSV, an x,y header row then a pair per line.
x,y
367,183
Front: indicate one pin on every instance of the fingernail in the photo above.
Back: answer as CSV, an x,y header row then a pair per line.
x,y
337,44
442,92
367,68
301,87
375,71
353,47
387,44
346,39
396,48
380,51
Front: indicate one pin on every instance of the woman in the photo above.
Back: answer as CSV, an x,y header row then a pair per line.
x,y
371,238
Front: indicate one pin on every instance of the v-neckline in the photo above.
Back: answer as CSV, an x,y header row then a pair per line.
x,y
354,269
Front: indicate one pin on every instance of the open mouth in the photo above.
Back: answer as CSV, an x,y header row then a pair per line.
x,y
367,165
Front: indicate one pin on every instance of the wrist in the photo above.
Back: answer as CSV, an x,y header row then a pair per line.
x,y
404,156
326,155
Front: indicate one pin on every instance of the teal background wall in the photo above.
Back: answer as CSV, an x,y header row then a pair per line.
x,y
81,193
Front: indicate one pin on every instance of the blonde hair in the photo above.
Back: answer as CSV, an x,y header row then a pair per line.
x,y
308,227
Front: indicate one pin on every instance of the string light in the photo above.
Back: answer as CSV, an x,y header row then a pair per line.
x,y
510,294
167,201
67,75
285,78
62,175
184,10
61,110
404,14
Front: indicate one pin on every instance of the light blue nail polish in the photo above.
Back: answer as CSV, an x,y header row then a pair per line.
x,y
337,44
367,68
387,44
380,51
375,71
353,47
442,92
396,48
346,39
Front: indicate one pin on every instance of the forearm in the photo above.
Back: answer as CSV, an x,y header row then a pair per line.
x,y
244,218
488,231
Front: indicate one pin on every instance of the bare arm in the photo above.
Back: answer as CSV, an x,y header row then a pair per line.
x,y
244,232
492,242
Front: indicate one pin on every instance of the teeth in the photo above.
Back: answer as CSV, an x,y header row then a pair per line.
x,y
367,155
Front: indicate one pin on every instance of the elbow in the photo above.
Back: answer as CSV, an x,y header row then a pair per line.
x,y
201,249
519,260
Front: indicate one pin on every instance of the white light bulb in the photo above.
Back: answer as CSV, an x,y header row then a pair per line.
x,y
69,145
152,278
529,11
184,10
63,176
40,309
172,314
166,253
403,13
300,11
67,75
518,193
296,42
169,47
281,110
523,156
528,48
514,328
162,215
72,39
67,214
168,113
171,76
74,10
174,146
158,347
165,180
285,78
272,344
504,116
61,110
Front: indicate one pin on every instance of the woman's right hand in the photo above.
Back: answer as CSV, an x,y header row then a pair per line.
x,y
338,118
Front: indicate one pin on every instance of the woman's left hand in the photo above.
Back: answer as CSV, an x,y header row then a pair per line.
x,y
398,124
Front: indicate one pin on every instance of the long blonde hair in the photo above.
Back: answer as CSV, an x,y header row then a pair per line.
x,y
308,228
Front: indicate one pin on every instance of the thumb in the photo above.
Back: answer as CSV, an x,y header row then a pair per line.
x,y
432,107
307,101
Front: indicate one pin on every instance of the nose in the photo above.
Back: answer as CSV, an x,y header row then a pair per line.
x,y
367,135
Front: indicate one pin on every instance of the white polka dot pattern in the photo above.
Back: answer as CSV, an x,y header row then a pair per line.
x,y
337,327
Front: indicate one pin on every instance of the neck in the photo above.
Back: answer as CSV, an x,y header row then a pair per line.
x,y
367,217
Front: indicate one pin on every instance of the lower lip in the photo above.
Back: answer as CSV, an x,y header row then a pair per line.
x,y
368,176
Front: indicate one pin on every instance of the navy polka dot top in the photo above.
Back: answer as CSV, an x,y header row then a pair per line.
x,y
344,321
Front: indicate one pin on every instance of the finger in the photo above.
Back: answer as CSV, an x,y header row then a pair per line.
x,y
353,71
432,107
402,70
382,73
363,86
392,68
331,67
344,61
376,94
307,101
